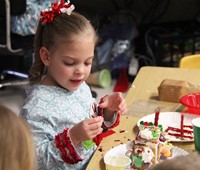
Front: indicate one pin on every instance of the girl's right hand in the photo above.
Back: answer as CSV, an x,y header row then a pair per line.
x,y
87,129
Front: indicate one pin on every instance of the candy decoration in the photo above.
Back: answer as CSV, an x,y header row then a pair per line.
x,y
182,119
156,117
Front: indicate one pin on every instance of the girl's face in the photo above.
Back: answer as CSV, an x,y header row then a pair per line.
x,y
70,63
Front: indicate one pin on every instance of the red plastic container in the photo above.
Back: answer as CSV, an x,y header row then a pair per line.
x,y
192,102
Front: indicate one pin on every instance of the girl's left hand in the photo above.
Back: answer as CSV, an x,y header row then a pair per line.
x,y
114,103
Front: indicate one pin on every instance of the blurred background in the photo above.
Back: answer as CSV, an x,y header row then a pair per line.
x,y
134,33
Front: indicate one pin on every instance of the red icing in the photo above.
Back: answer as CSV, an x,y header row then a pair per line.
x,y
156,118
179,135
181,131
182,118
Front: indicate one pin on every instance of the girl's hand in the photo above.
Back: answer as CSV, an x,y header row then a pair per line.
x,y
114,103
87,129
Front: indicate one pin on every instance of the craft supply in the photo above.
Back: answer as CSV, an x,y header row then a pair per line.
x,y
172,90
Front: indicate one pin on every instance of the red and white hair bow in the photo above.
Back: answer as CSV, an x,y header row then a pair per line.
x,y
55,9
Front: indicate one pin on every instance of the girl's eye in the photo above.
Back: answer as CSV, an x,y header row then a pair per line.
x,y
68,63
88,63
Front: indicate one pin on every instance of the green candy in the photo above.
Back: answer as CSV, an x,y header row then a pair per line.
x,y
88,144
142,122
150,124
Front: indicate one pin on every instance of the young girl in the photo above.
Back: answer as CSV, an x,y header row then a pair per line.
x,y
16,142
59,108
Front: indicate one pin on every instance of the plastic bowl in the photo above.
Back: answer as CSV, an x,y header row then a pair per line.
x,y
192,102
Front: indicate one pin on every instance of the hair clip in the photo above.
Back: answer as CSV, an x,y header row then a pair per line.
x,y
55,9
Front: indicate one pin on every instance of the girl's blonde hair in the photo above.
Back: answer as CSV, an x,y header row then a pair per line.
x,y
16,143
63,28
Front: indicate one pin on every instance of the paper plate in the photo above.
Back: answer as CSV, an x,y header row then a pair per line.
x,y
172,119
120,151
178,152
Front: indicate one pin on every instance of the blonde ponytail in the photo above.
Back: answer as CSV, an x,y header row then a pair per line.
x,y
37,69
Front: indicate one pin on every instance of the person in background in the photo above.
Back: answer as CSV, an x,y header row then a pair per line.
x,y
64,117
16,142
26,23
188,162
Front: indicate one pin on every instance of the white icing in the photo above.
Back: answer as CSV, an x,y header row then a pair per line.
x,y
146,134
147,155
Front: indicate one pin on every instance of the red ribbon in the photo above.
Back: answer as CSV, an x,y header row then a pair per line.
x,y
49,15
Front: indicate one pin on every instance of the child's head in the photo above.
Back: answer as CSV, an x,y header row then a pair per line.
x,y
188,162
64,48
16,143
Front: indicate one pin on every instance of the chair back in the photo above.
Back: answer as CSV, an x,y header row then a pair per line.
x,y
191,62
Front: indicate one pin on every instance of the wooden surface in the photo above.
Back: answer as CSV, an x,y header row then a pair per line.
x,y
128,125
142,96
145,85
142,99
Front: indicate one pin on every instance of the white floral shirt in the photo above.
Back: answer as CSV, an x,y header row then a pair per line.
x,y
49,110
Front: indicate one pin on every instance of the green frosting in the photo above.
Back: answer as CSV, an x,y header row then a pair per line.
x,y
161,128
155,134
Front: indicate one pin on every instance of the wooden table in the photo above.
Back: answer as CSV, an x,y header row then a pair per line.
x,y
127,125
142,99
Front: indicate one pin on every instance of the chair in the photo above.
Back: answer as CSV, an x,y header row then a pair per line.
x,y
191,62
12,45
